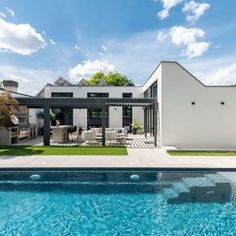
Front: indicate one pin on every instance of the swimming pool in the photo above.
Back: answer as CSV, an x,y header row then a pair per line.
x,y
117,203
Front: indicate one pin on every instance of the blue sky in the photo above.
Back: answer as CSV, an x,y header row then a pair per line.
x,y
42,40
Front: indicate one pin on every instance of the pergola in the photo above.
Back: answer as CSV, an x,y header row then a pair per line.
x,y
84,103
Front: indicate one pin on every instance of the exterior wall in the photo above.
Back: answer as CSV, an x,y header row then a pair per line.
x,y
115,113
115,117
205,125
80,118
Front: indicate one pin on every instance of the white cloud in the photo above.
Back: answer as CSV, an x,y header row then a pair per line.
x,y
31,81
52,42
77,47
14,76
88,68
188,37
181,35
194,10
167,5
104,48
22,38
162,35
223,76
218,46
2,15
10,12
196,49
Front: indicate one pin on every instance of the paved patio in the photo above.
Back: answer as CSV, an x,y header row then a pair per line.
x,y
133,141
137,157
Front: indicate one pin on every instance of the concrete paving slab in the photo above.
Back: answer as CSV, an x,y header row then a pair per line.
x,y
137,157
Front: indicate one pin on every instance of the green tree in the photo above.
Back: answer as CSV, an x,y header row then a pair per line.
x,y
112,79
8,106
116,79
1,84
97,78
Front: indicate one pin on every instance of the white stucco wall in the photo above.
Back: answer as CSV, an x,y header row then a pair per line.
x,y
205,125
115,117
80,118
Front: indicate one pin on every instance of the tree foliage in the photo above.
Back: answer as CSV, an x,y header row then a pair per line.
x,y
112,79
8,106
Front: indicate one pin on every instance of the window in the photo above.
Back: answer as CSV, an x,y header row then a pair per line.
x,y
62,95
95,114
151,92
146,94
154,91
97,95
127,112
64,115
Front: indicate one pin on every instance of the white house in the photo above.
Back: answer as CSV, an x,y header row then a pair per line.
x,y
191,115
86,118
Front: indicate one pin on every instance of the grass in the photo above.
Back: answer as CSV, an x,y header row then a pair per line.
x,y
59,150
201,153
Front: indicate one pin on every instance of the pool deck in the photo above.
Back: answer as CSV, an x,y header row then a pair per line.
x,y
137,157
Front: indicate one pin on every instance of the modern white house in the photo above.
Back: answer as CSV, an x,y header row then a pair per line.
x,y
190,115
86,118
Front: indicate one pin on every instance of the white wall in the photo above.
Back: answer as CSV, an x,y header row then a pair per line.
x,y
206,125
115,117
80,118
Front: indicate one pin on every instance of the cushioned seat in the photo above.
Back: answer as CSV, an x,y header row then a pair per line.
x,y
89,136
111,136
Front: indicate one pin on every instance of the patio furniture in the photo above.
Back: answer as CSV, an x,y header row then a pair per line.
x,y
59,134
71,132
123,140
111,136
89,136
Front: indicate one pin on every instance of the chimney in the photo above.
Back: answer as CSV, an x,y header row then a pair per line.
x,y
10,85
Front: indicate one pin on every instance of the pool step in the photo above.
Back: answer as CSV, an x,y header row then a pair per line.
x,y
207,189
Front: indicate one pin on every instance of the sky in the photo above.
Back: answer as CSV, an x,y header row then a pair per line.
x,y
43,40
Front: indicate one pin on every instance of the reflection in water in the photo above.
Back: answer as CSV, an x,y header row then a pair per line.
x,y
220,193
175,187
197,187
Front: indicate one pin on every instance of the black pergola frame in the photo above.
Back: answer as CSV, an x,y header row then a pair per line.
x,y
84,103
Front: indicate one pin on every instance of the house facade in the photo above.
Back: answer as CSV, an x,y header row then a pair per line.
x,y
190,115
116,117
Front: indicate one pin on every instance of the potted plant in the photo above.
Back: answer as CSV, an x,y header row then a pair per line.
x,y
135,127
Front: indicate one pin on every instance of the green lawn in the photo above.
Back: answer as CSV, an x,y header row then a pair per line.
x,y
201,153
59,150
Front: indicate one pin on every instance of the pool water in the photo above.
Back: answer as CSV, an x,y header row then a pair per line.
x,y
112,203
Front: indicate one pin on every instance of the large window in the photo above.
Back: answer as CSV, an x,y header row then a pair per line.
x,y
154,91
97,95
151,92
62,95
127,112
95,114
64,115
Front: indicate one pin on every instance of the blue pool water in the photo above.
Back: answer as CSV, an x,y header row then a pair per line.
x,y
112,203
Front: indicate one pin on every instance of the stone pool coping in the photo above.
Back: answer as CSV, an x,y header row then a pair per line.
x,y
137,158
